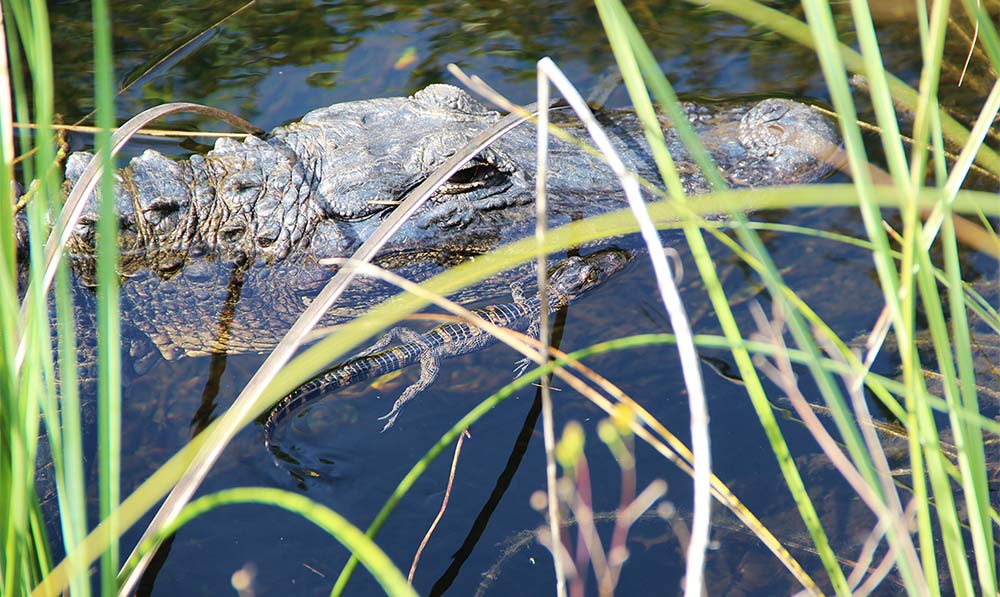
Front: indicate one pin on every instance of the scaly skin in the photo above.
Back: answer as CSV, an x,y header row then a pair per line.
x,y
258,215
568,280
313,187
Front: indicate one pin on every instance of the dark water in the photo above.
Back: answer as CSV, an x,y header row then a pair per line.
x,y
274,61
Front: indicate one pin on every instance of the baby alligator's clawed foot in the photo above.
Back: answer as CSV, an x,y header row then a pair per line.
x,y
521,366
391,416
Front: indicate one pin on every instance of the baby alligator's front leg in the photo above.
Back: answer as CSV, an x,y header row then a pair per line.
x,y
430,366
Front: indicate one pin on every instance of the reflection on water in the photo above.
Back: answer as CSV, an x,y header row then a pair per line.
x,y
274,61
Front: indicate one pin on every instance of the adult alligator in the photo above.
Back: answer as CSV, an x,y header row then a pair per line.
x,y
261,213
220,252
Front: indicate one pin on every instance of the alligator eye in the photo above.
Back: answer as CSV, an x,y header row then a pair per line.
x,y
471,174
163,205
475,175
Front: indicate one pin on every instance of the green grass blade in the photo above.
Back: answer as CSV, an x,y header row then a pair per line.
x,y
26,557
360,546
969,436
64,428
108,323
9,400
821,23
927,114
927,434
880,94
666,96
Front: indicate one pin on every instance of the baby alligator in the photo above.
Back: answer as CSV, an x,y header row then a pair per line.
x,y
567,280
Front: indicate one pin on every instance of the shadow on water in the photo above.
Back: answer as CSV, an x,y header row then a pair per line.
x,y
273,62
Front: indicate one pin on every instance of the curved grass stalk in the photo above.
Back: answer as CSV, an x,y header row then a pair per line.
x,y
360,546
671,299
236,416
